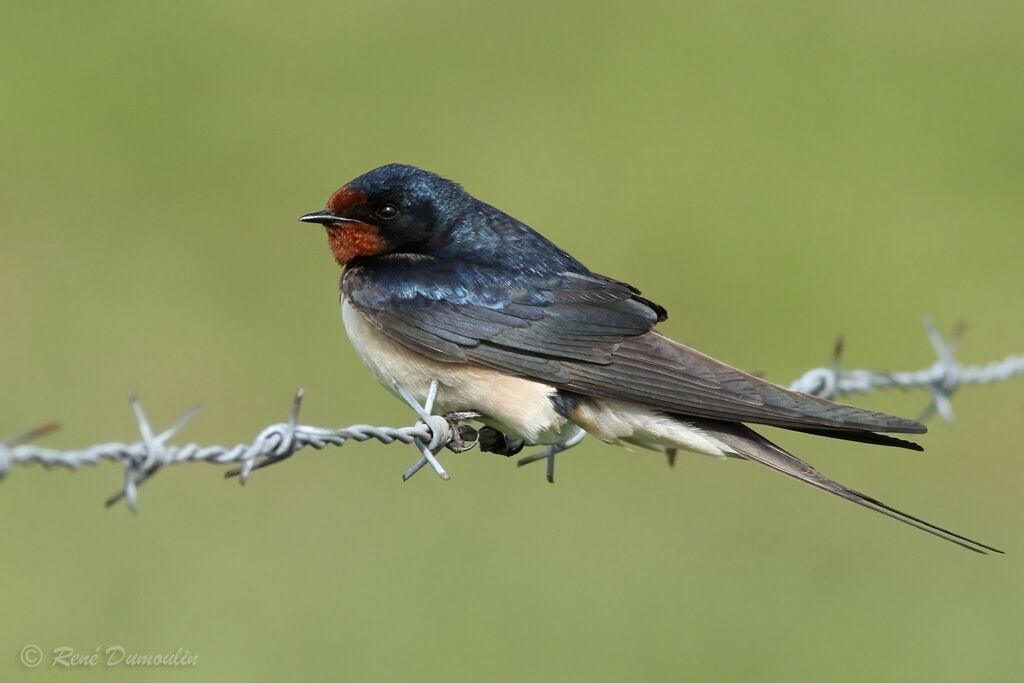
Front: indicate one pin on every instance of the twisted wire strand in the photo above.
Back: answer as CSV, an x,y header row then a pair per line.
x,y
941,379
144,458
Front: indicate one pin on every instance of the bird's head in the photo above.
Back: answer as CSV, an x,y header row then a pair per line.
x,y
391,209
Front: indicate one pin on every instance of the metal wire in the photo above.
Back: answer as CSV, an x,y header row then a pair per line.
x,y
941,379
432,433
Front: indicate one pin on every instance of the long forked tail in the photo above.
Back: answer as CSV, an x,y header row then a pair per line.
x,y
752,446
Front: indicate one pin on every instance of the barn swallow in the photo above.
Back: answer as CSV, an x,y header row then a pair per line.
x,y
438,285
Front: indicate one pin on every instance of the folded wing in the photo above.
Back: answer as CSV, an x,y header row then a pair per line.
x,y
595,336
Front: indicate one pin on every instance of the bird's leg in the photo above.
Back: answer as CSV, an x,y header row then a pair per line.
x,y
551,451
493,441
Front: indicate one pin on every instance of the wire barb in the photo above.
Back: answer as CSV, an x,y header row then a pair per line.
x,y
438,426
942,379
432,433
549,453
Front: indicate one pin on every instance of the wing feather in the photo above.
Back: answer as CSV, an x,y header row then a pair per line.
x,y
591,335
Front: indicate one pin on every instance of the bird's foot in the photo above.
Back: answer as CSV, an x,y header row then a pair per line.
x,y
493,441
464,437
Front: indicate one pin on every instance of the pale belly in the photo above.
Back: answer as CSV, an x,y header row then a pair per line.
x,y
515,405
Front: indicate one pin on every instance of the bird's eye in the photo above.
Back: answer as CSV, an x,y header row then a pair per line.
x,y
386,212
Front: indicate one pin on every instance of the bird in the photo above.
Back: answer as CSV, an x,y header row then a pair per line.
x,y
439,286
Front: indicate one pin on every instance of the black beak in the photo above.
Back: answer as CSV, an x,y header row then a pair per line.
x,y
324,217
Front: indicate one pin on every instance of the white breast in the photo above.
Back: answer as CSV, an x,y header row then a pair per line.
x,y
517,406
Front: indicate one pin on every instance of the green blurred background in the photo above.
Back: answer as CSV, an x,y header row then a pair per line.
x,y
774,173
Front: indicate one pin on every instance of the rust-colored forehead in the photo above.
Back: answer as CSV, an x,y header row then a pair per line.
x,y
345,198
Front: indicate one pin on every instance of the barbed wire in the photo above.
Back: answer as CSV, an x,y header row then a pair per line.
x,y
941,379
431,434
